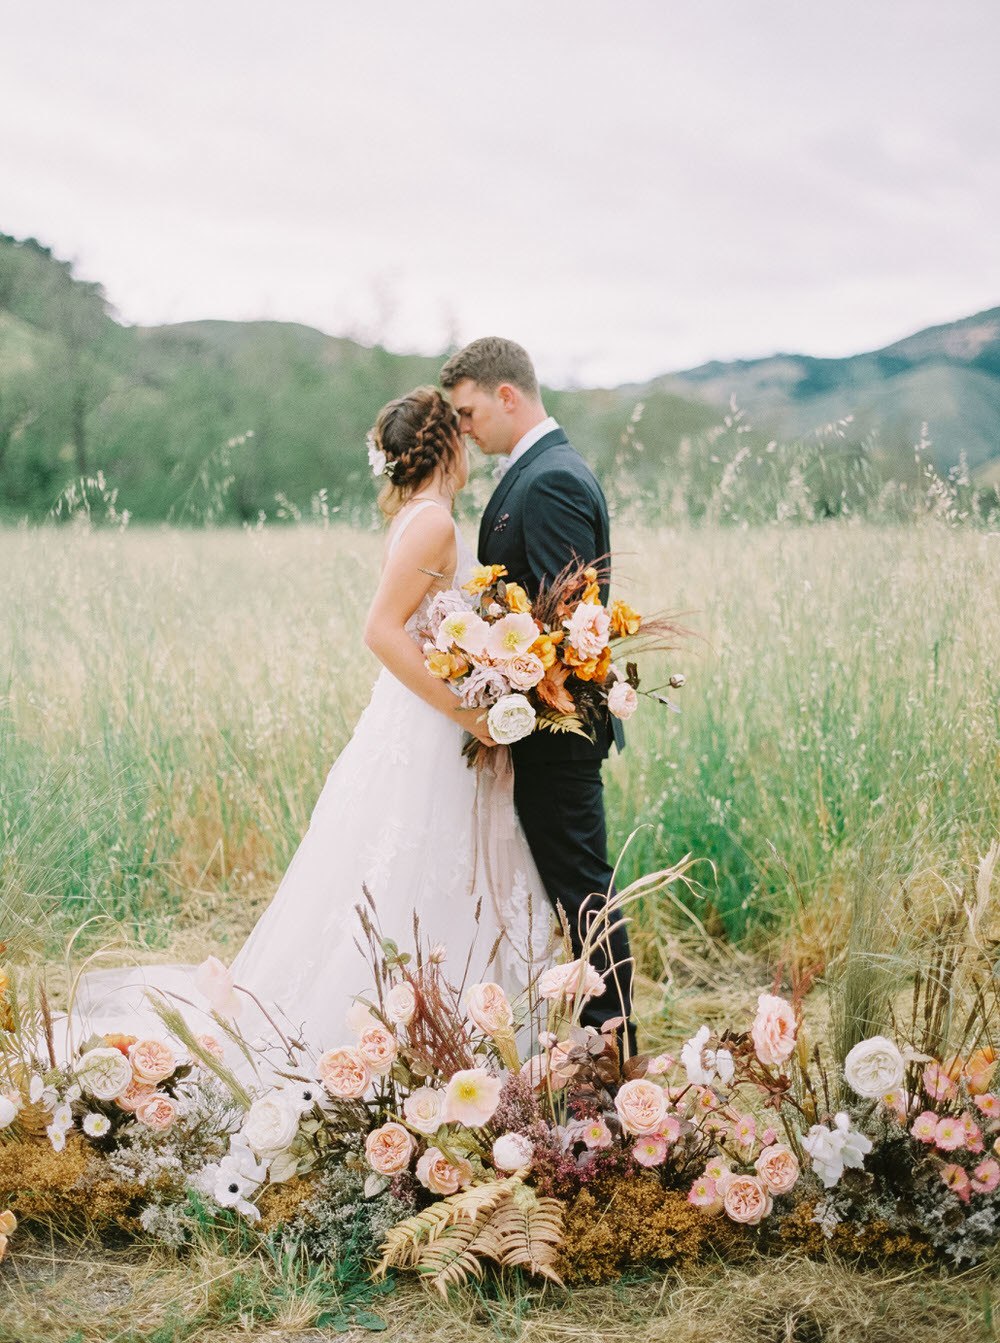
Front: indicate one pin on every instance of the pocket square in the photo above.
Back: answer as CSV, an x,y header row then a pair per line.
x,y
501,522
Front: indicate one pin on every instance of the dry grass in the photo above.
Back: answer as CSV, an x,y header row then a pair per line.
x,y
89,1295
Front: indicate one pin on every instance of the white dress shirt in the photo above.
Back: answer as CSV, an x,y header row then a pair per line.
x,y
527,441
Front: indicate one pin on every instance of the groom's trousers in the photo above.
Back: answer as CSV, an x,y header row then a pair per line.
x,y
561,810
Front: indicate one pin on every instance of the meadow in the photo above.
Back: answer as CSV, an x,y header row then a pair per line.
x,y
172,700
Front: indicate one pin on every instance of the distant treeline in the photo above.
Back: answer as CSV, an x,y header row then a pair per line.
x,y
231,421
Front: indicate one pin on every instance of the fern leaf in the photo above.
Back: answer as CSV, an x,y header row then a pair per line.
x,y
561,723
405,1244
526,1232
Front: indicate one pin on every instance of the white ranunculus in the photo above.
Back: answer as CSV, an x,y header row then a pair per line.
x,y
104,1073
8,1112
511,719
874,1067
512,1151
215,982
270,1125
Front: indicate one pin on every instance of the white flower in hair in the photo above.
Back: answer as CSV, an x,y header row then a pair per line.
x,y
377,459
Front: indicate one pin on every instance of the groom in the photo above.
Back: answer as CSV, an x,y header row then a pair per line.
x,y
546,511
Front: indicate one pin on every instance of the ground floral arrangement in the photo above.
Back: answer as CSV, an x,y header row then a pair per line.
x,y
426,1143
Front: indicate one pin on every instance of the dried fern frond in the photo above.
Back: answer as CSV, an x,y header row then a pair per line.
x,y
504,1221
562,722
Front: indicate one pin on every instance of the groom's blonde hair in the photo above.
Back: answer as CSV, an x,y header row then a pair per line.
x,y
490,361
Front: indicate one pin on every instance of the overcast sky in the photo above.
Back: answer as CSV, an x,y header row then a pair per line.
x,y
625,186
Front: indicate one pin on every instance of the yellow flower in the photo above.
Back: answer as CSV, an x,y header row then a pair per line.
x,y
484,576
624,620
545,647
592,592
517,599
446,666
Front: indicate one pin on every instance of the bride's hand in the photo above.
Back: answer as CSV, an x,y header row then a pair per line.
x,y
473,721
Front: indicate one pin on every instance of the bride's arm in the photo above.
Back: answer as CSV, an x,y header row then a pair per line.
x,y
426,548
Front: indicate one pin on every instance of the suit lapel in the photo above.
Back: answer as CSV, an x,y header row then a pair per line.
x,y
510,476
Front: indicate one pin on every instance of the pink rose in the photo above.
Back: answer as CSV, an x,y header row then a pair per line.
x,y
525,671
778,1168
152,1060
773,1030
642,1106
377,1048
441,1176
487,1006
535,1070
746,1199
569,980
389,1149
622,700
589,629
344,1073
133,1095
157,1111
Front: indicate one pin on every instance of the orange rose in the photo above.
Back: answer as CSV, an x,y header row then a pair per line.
x,y
517,599
624,620
446,666
120,1042
484,576
544,647
979,1069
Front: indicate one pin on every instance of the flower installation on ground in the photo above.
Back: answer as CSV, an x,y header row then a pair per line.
x,y
430,1140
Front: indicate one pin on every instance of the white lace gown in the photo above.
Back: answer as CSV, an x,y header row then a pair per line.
x,y
403,815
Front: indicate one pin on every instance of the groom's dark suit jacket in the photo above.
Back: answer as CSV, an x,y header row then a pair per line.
x,y
547,509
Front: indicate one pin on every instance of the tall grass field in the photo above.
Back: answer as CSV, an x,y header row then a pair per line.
x,y
171,701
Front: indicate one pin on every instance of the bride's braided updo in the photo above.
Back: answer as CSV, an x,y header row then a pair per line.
x,y
417,432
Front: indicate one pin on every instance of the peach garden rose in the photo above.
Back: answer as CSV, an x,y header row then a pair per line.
x,y
152,1060
642,1106
745,1199
773,1030
344,1073
778,1168
389,1149
441,1176
377,1048
488,1007
157,1111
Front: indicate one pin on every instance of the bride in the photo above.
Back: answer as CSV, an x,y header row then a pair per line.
x,y
401,814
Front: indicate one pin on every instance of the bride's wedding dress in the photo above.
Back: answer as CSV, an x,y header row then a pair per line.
x,y
402,815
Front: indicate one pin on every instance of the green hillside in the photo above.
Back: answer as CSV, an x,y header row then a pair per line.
x,y
947,377
216,420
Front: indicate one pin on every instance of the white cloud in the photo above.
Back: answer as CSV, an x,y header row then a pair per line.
x,y
626,189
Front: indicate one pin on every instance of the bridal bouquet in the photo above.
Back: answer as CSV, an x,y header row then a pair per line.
x,y
547,664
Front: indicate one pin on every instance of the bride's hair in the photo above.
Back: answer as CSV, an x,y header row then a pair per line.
x,y
417,432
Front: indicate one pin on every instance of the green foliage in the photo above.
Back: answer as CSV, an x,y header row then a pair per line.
x,y
208,422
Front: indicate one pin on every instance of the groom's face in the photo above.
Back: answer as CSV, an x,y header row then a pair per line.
x,y
484,416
